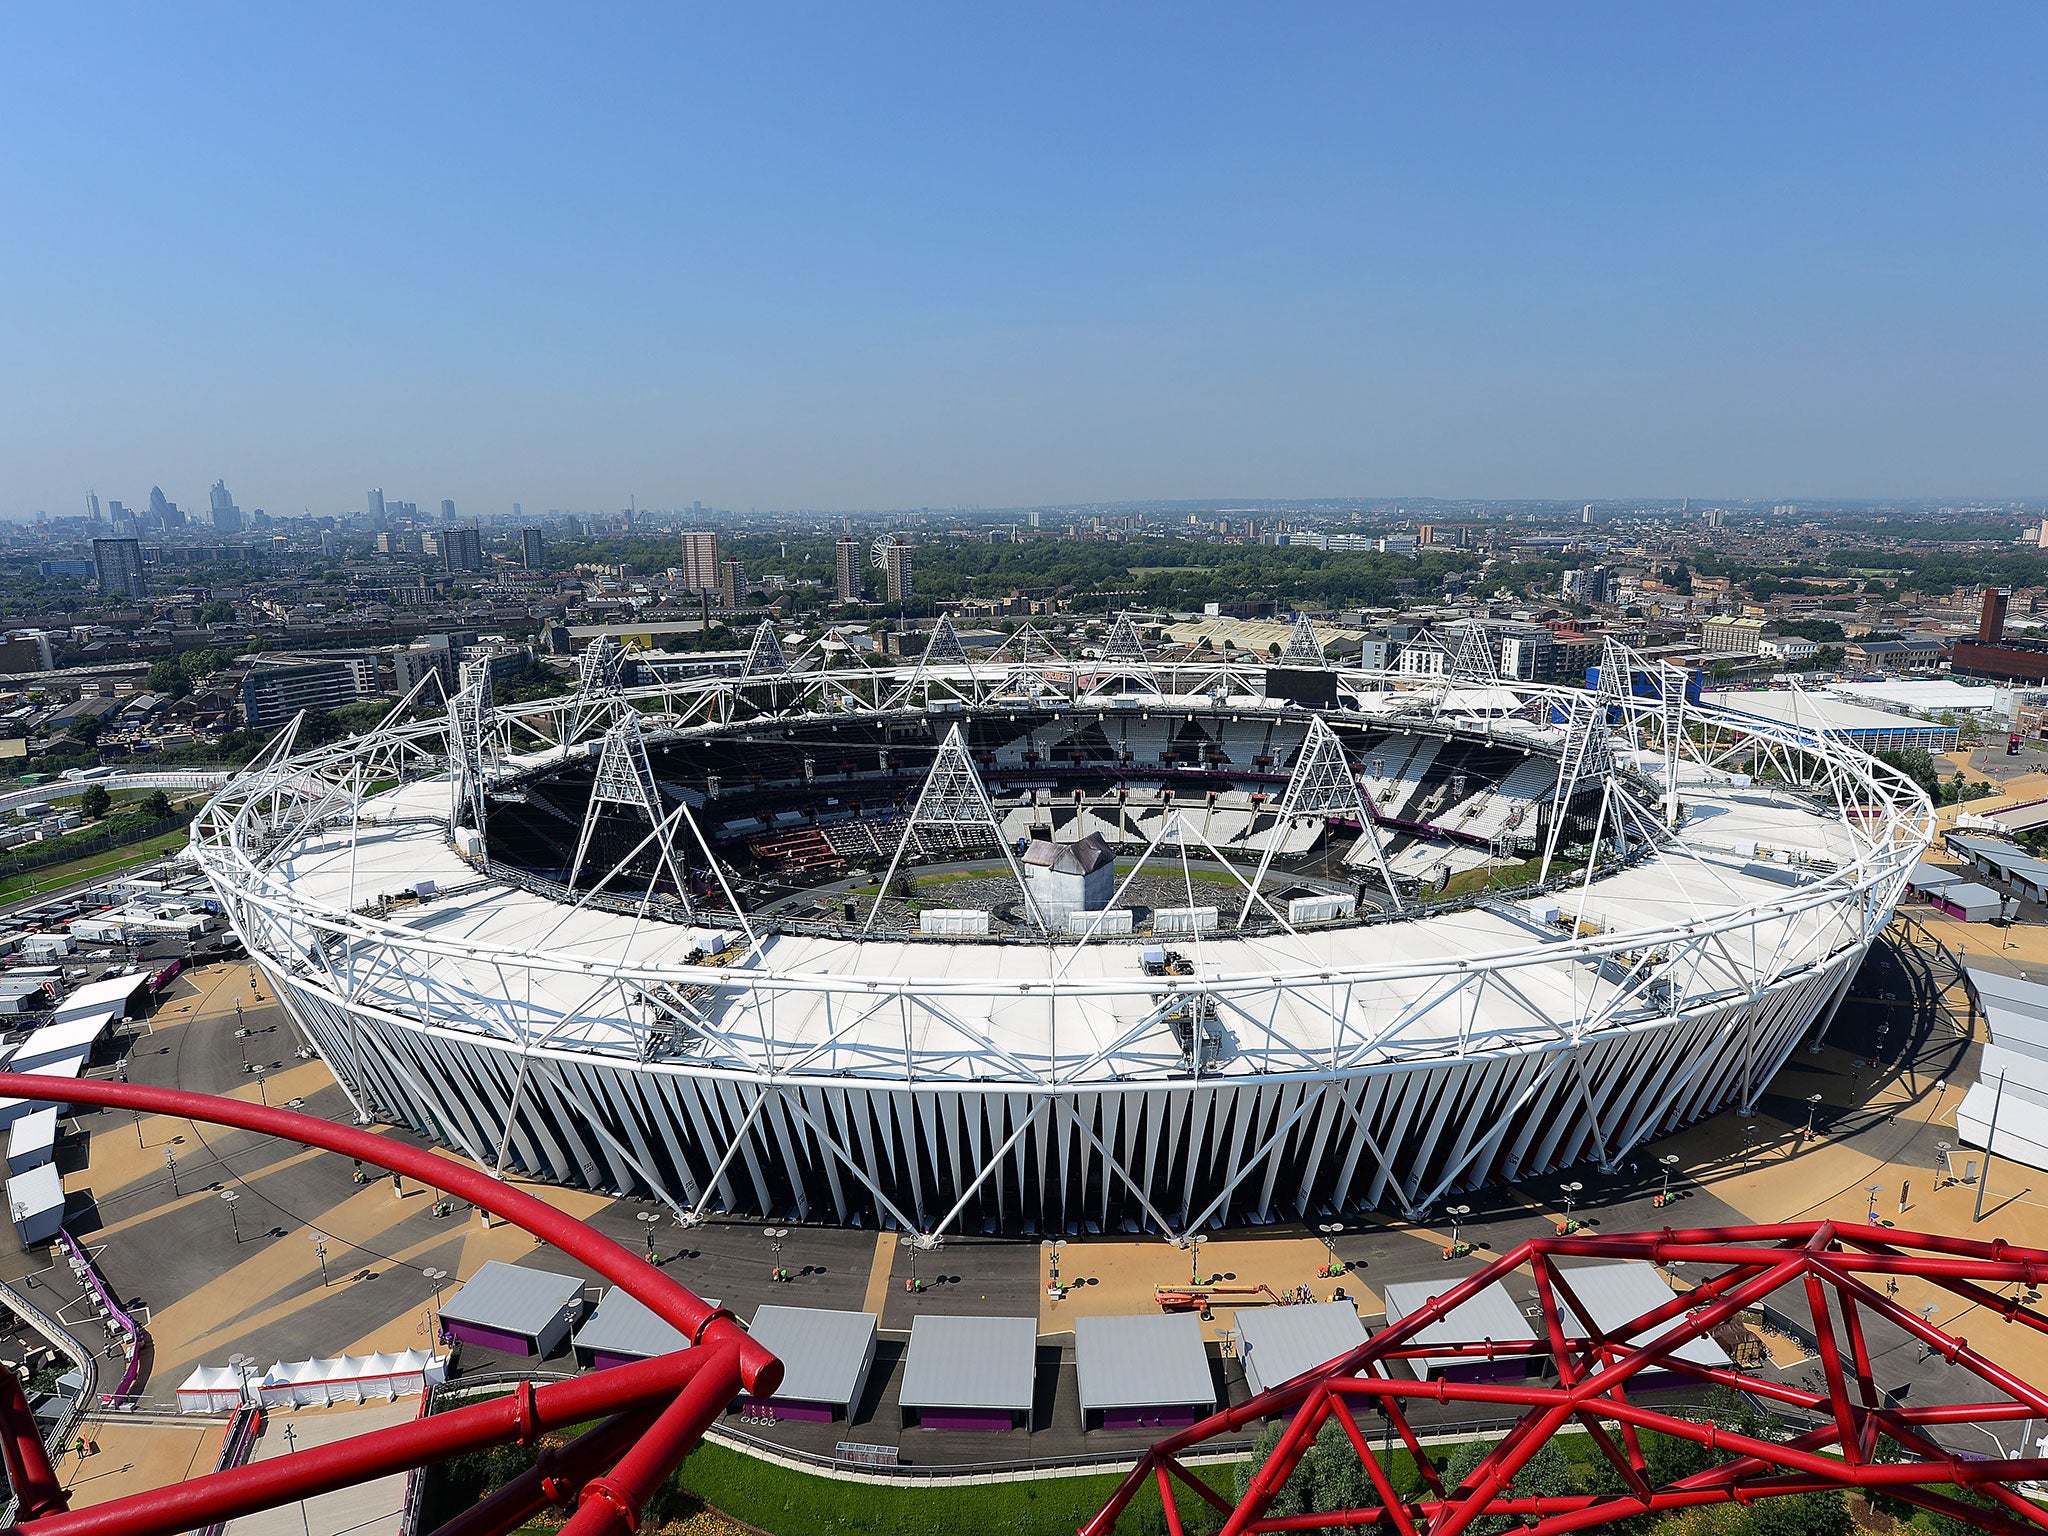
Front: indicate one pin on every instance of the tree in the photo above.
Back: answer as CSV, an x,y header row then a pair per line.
x,y
219,611
95,802
1917,764
1800,1514
156,805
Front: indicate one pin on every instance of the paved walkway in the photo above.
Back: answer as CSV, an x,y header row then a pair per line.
x,y
370,1509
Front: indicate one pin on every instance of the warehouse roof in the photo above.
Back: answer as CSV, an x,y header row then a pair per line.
x,y
823,1353
1282,1342
112,995
1620,1293
1490,1314
970,1362
1153,1361
623,1324
513,1298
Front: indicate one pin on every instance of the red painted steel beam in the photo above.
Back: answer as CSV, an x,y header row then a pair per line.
x,y
706,1377
611,1504
523,1416
1595,1367
673,1302
552,1481
29,1472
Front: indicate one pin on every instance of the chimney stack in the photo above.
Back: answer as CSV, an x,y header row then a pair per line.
x,y
1991,621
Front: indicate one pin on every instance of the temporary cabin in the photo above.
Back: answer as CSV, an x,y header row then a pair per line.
x,y
969,1372
514,1309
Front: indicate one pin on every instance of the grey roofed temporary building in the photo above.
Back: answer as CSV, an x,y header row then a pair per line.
x,y
825,1355
1620,1293
1154,1361
1932,877
970,1362
1082,857
1491,1314
68,1037
2015,1009
1278,1344
114,995
623,1324
513,1298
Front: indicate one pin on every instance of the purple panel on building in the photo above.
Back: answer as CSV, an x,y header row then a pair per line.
x,y
809,1413
487,1338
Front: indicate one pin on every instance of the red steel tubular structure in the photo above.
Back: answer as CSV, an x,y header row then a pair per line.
x,y
650,1413
1863,1440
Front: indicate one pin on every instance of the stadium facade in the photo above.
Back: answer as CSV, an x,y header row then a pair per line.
x,y
504,928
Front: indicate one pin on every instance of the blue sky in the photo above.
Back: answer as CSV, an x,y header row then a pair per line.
x,y
872,257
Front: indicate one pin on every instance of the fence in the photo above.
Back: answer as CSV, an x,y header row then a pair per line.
x,y
86,1270
63,850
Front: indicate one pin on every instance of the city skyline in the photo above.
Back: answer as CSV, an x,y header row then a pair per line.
x,y
819,261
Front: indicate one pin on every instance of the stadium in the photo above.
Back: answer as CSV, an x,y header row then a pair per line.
x,y
1037,943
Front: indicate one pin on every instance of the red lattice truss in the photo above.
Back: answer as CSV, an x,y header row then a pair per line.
x,y
649,1413
1839,1275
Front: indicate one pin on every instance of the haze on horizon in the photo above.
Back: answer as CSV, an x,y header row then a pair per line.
x,y
847,258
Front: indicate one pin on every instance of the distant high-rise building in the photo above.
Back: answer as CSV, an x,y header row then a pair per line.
x,y
377,507
447,510
1586,516
530,548
462,549
221,508
1714,517
118,564
162,513
850,589
516,512
894,561
92,506
700,562
732,583
1034,519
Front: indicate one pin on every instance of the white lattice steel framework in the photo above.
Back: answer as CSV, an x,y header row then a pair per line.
x,y
931,1084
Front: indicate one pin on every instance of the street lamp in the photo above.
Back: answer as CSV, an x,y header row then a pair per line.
x,y
1748,1142
1870,1216
1457,1213
1812,1108
258,1069
1570,1199
1669,1161
648,1219
171,1163
230,1197
1195,1242
320,1247
240,1364
434,1278
775,1235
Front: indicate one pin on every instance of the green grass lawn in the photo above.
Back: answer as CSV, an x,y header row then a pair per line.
x,y
91,867
788,1503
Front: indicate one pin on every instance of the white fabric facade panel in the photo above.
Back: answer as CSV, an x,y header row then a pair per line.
x,y
1226,1150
